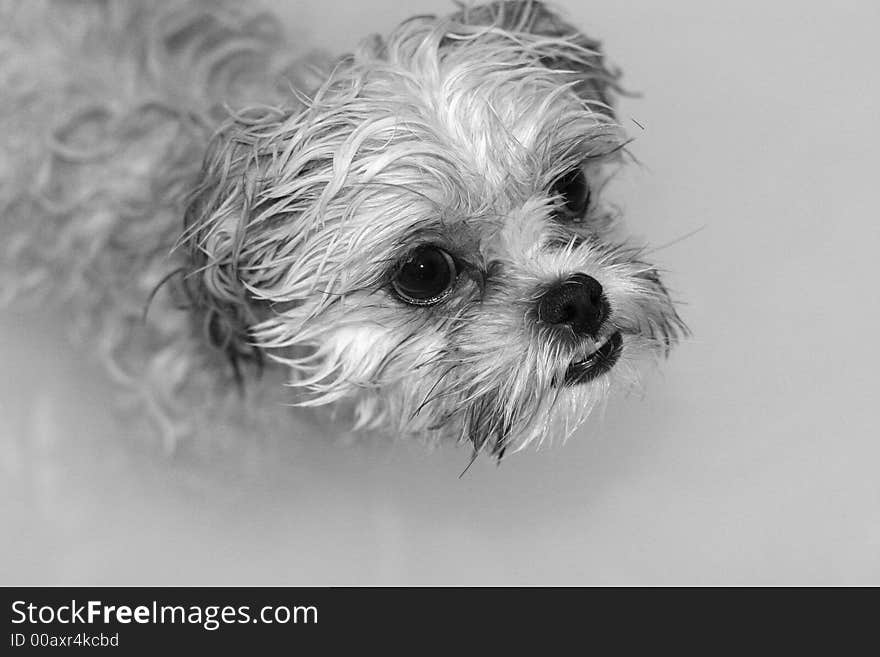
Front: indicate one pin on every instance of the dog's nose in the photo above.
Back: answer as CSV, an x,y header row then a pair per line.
x,y
576,302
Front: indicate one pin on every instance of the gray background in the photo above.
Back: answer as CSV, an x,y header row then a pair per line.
x,y
751,457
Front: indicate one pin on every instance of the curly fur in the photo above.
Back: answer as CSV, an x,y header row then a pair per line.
x,y
182,162
107,111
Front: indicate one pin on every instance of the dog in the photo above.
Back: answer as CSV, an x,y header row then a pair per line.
x,y
414,234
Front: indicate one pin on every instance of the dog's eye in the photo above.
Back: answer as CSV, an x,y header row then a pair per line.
x,y
574,191
425,277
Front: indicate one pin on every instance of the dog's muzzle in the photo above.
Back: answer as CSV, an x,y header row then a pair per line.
x,y
579,306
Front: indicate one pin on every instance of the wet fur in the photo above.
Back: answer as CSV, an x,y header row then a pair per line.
x,y
222,223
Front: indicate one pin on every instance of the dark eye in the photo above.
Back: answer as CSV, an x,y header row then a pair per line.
x,y
574,190
425,277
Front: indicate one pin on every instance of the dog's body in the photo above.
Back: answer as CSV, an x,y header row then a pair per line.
x,y
414,233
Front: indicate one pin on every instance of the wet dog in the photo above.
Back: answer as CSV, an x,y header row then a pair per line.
x,y
414,233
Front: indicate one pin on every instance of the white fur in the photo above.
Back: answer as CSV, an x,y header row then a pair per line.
x,y
450,131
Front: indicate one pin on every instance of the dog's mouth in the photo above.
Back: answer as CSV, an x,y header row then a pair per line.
x,y
599,362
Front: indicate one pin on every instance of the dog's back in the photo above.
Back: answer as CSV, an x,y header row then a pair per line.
x,y
106,111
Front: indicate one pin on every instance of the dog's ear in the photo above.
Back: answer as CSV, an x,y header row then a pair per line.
x,y
216,224
594,80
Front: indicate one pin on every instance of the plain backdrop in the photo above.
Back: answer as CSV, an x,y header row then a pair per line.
x,y
752,456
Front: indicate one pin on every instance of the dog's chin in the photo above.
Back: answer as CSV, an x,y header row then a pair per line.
x,y
597,363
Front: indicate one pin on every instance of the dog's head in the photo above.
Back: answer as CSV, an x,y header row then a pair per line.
x,y
425,236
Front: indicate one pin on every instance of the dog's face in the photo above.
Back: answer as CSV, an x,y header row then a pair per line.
x,y
426,239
